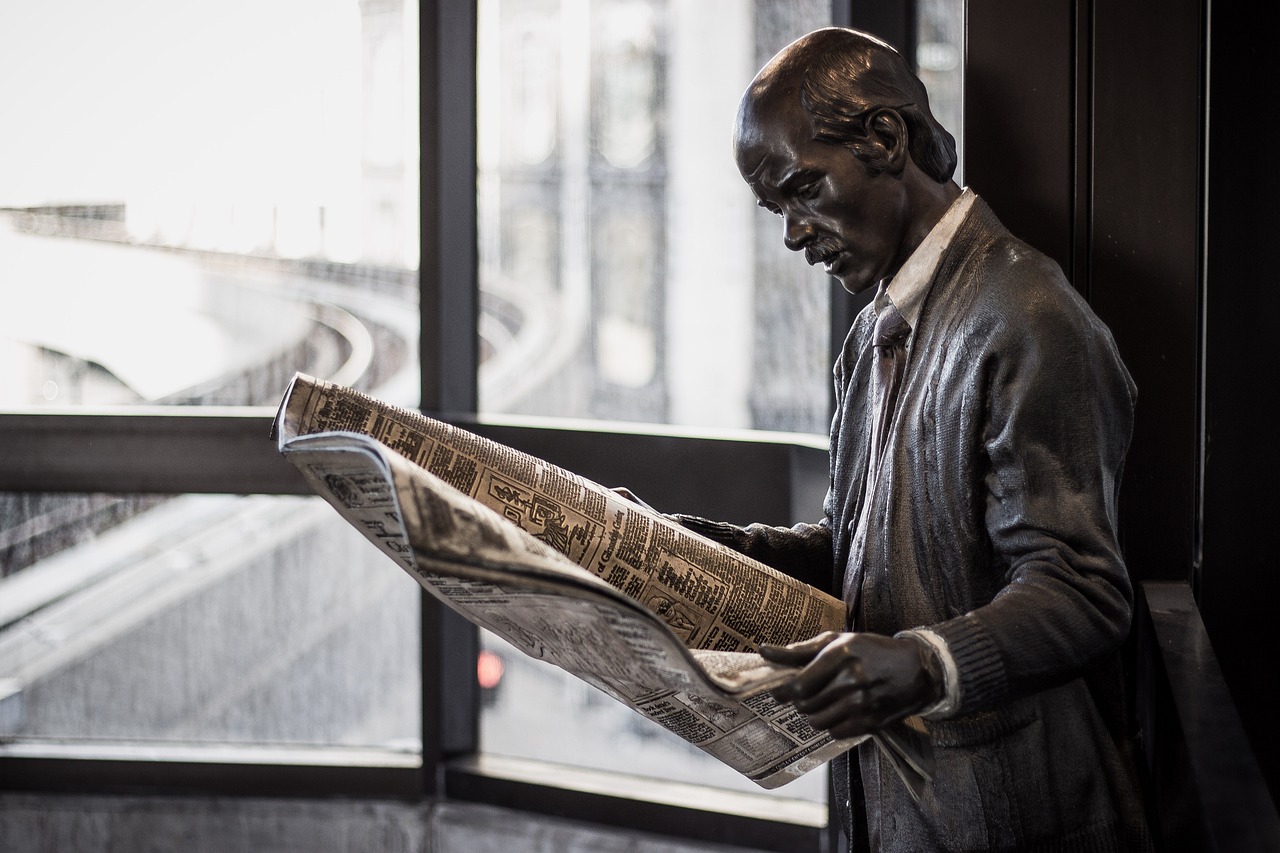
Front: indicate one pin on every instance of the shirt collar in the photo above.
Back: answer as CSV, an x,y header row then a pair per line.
x,y
909,286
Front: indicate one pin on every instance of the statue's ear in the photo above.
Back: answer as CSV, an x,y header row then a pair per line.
x,y
886,128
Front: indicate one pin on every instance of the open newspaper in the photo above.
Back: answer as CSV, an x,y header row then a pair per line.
x,y
662,619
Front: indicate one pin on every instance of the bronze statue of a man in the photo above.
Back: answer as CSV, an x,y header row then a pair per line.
x,y
982,418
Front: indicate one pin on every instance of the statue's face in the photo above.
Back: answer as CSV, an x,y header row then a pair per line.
x,y
832,208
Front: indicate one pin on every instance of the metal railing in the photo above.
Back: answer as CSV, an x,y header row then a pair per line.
x,y
1205,788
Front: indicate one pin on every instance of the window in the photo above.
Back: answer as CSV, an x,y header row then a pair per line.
x,y
617,240
940,64
627,275
619,244
196,200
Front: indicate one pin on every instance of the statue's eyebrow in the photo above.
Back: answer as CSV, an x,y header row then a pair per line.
x,y
753,177
798,177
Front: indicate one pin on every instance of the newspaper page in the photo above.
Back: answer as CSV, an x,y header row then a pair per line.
x,y
711,596
658,617
525,591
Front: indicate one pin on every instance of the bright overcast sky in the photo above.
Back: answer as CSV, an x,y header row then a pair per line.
x,y
111,100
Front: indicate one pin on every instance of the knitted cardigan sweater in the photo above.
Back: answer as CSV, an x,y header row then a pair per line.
x,y
993,524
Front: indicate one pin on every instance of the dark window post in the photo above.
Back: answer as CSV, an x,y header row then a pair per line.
x,y
448,349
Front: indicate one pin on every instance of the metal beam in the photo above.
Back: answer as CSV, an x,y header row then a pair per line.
x,y
210,450
1208,788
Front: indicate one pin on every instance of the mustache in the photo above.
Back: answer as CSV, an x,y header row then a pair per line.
x,y
821,250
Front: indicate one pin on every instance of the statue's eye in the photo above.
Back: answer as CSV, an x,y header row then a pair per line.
x,y
772,208
810,191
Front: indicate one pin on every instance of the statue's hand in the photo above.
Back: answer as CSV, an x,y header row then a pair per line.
x,y
852,684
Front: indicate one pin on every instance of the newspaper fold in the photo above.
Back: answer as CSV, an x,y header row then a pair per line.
x,y
568,571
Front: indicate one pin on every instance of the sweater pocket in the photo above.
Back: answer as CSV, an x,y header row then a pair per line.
x,y
1026,777
981,727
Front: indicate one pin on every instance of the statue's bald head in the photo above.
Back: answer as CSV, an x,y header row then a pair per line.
x,y
839,77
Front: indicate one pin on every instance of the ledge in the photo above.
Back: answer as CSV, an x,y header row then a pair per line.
x,y
1207,788
757,821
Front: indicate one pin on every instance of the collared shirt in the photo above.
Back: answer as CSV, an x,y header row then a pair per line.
x,y
908,288
907,291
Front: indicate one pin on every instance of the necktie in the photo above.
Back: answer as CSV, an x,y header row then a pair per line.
x,y
889,343
889,340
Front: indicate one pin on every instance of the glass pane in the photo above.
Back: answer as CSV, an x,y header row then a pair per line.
x,y
627,274
199,198
940,61
202,618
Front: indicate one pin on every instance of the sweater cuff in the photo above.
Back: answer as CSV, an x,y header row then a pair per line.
x,y
977,660
937,647
718,531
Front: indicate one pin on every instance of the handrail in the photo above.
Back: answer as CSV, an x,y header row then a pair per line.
x,y
1205,788
210,449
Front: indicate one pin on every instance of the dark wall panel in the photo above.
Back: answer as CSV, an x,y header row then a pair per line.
x,y
1145,258
1238,583
1082,130
1020,118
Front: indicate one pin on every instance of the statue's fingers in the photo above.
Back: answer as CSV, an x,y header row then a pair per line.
x,y
846,717
797,654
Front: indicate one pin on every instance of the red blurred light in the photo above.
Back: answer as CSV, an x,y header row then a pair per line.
x,y
489,670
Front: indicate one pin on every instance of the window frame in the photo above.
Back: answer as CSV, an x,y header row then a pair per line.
x,y
225,450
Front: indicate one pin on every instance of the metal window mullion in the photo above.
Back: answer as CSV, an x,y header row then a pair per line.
x,y
448,342
128,451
